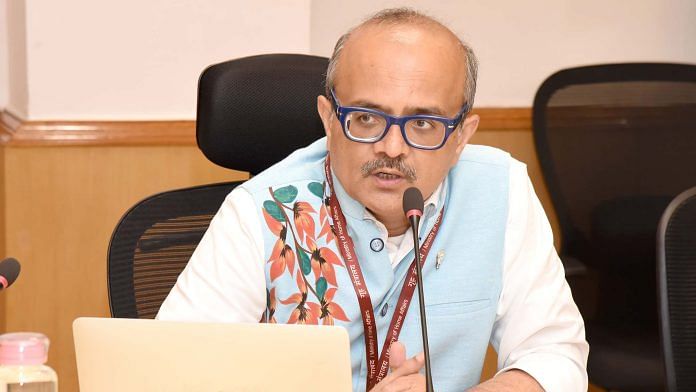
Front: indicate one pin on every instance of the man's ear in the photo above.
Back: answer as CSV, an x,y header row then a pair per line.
x,y
326,113
466,131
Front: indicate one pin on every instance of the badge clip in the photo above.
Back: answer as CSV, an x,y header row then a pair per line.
x,y
439,258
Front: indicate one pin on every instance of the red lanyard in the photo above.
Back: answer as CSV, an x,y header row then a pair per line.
x,y
377,368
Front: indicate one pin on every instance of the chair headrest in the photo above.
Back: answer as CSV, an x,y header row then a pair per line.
x,y
254,111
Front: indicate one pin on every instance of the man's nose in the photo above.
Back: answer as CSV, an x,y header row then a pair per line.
x,y
393,143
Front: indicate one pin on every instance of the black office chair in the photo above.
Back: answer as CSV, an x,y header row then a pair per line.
x,y
616,143
676,256
252,112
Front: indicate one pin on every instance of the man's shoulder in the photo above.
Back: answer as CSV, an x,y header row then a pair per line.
x,y
304,164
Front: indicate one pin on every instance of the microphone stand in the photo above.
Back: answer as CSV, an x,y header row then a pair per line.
x,y
414,219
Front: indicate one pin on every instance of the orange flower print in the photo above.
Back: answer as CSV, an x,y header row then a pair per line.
x,y
275,226
300,282
330,310
282,257
326,229
323,261
303,220
305,312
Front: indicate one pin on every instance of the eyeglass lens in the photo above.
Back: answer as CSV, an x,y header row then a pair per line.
x,y
368,127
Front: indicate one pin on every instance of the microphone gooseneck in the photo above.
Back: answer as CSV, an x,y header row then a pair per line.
x,y
413,209
9,270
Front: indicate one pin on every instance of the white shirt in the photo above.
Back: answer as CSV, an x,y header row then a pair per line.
x,y
538,328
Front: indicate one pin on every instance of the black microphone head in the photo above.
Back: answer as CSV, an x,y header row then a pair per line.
x,y
9,269
413,202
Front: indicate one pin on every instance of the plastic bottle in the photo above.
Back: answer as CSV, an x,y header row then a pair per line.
x,y
22,363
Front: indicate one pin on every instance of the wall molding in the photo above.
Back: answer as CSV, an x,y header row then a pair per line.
x,y
505,119
17,132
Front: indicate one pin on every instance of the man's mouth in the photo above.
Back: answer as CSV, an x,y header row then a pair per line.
x,y
387,176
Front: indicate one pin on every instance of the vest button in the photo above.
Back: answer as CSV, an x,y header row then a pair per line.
x,y
384,310
377,244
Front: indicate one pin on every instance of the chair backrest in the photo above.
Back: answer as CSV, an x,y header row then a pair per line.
x,y
616,143
152,244
676,243
252,112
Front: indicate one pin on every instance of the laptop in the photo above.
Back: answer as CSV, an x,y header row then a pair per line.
x,y
151,355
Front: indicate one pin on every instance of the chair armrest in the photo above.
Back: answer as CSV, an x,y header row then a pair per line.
x,y
573,266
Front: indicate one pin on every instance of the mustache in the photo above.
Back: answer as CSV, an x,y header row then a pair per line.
x,y
398,164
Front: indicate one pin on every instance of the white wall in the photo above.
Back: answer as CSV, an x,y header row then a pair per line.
x,y
3,54
14,62
520,43
133,59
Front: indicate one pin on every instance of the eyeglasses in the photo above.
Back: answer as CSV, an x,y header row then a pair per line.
x,y
422,131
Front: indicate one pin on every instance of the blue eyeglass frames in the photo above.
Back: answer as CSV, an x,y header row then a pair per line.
x,y
422,131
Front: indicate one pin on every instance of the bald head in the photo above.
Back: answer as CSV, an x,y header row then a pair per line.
x,y
397,64
406,26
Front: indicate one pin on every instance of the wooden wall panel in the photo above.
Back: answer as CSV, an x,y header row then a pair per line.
x,y
3,230
62,205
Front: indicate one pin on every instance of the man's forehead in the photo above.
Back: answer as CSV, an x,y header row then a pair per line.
x,y
403,33
402,45
403,59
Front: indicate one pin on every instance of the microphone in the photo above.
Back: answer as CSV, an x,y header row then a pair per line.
x,y
9,270
413,208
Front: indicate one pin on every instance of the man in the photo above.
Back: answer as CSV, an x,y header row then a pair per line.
x,y
322,238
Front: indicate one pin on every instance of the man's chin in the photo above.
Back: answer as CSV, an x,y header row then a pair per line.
x,y
386,207
381,201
